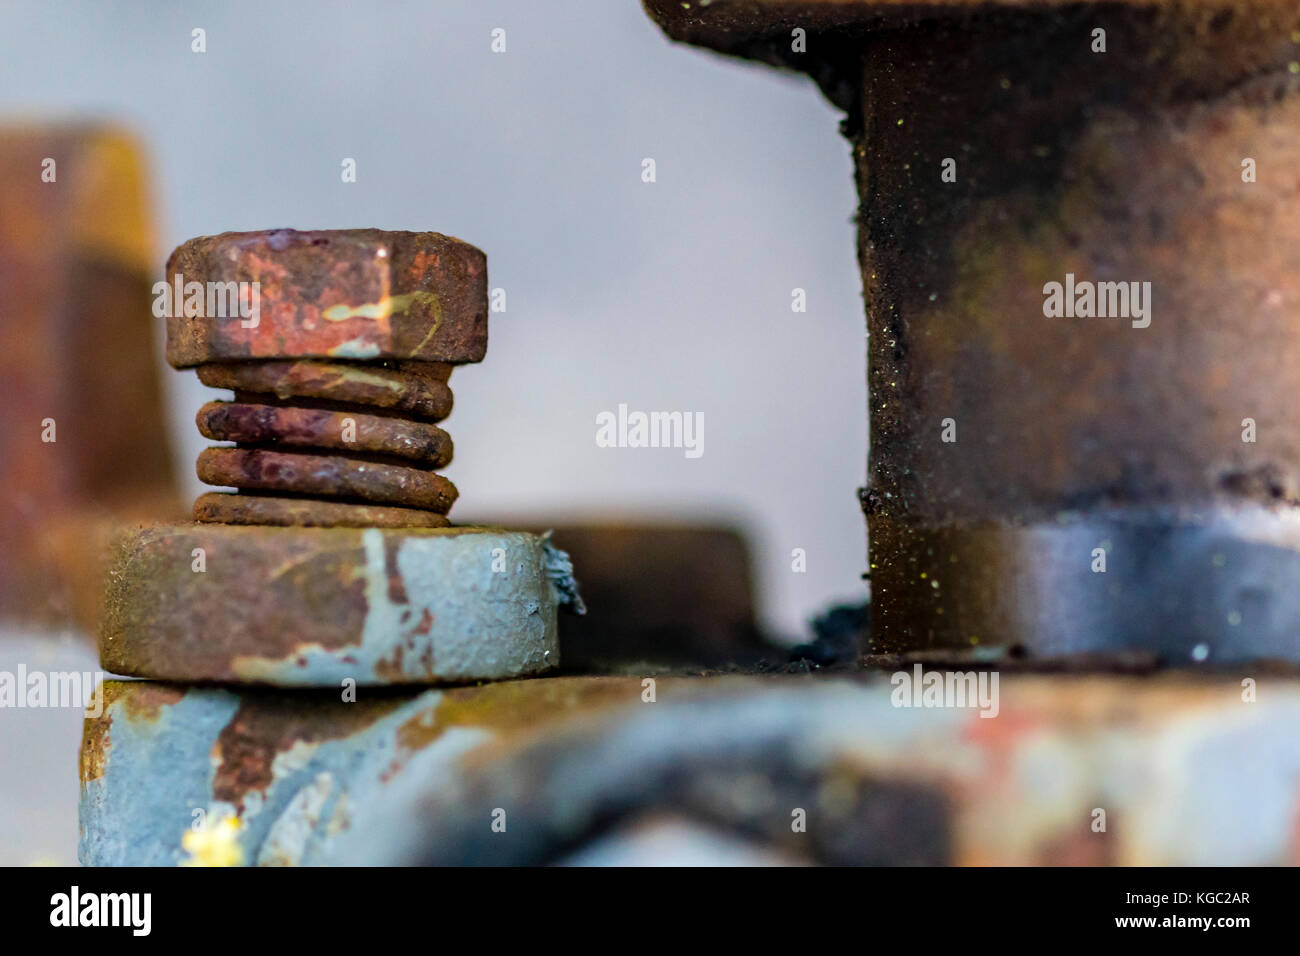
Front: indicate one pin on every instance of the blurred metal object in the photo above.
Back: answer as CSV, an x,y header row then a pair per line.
x,y
1166,770
83,443
658,595
1127,470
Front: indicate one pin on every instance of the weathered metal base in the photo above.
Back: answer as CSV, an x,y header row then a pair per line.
x,y
1216,586
296,769
315,607
1174,769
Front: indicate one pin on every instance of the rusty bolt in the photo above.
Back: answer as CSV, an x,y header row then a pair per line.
x,y
360,294
334,560
338,355
1060,483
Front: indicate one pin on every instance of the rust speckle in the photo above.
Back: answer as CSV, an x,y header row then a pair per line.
x,y
426,622
396,586
390,668
140,703
511,706
144,702
94,747
419,732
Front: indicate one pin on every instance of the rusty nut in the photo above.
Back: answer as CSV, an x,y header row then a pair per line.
x,y
375,296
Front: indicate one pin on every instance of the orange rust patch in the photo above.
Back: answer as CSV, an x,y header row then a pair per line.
x,y
519,710
509,708
516,705
141,703
262,728
144,701
93,758
419,732
396,586
390,667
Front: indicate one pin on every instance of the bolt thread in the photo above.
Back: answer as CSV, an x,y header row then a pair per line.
x,y
327,443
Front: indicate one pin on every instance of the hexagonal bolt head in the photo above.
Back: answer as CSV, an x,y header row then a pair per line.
x,y
357,294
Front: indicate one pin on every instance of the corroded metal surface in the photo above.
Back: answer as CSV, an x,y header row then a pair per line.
x,y
251,423
1182,769
334,563
1185,588
391,311
295,770
76,364
1061,420
418,389
998,152
1187,46
741,25
312,607
319,474
345,294
1072,176
255,509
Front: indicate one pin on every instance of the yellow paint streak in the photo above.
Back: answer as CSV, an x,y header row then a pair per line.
x,y
388,305
367,379
289,565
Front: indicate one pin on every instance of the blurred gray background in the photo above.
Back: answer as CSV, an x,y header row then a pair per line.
x,y
674,295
